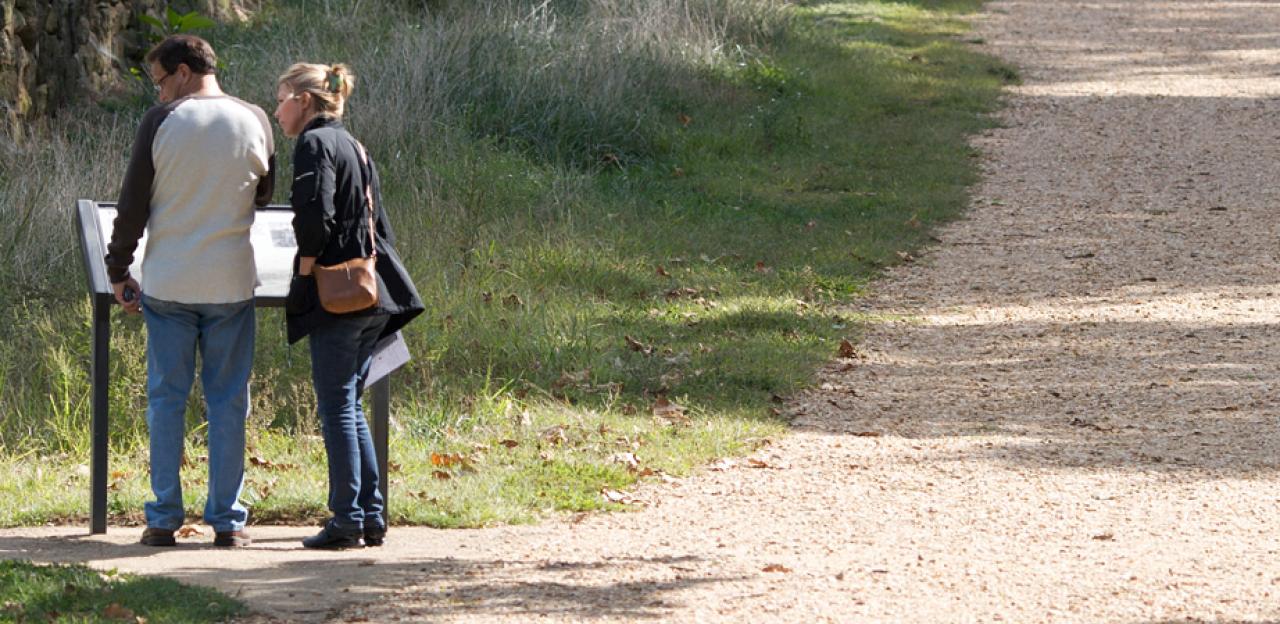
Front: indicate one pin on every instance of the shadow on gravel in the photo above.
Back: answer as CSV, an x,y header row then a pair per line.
x,y
1147,397
304,586
1112,304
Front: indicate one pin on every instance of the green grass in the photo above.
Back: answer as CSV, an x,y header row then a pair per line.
x,y
32,592
687,220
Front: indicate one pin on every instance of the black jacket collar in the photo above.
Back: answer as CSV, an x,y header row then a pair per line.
x,y
323,121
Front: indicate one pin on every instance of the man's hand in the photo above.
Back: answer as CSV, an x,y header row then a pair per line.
x,y
128,295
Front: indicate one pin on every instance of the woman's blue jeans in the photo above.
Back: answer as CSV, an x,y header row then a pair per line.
x,y
341,351
223,335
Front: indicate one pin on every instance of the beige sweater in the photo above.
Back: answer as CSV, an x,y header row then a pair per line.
x,y
199,165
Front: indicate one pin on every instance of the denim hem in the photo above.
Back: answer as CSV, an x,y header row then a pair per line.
x,y
343,527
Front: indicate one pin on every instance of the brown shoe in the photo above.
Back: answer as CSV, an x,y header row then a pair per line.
x,y
232,539
158,537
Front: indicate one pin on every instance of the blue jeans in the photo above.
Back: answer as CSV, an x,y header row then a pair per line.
x,y
341,351
223,333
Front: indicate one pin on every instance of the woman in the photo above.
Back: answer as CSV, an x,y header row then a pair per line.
x,y
331,176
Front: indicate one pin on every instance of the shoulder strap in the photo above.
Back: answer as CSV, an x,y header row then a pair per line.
x,y
368,197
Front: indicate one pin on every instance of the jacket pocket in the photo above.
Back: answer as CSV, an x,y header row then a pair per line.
x,y
302,297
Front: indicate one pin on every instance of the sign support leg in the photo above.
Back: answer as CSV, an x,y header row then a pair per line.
x,y
98,467
381,409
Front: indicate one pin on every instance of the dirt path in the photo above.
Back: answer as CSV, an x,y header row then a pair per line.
x,y
1073,423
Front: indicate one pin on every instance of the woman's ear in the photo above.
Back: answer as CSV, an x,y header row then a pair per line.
x,y
305,100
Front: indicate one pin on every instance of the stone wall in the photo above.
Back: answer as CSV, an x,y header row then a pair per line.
x,y
57,52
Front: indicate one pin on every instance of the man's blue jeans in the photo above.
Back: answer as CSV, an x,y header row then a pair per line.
x,y
341,351
223,333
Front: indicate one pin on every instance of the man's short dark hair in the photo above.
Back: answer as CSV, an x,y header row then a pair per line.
x,y
178,49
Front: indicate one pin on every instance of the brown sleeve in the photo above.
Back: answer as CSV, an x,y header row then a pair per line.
x,y
266,184
133,209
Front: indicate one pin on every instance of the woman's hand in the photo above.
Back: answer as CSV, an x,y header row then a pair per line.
x,y
305,263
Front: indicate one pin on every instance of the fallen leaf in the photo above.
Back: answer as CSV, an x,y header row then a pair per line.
x,y
554,435
723,463
846,349
626,459
776,567
442,475
620,497
867,434
509,443
757,463
663,272
513,301
568,379
115,611
449,459
684,119
905,257
761,268
189,530
1105,537
676,293
666,410
636,345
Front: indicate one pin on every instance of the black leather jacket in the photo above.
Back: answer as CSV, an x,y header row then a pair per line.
x,y
330,222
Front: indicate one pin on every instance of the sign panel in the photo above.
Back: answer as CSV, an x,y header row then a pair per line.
x,y
271,237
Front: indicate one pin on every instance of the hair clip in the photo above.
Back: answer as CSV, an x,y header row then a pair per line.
x,y
335,82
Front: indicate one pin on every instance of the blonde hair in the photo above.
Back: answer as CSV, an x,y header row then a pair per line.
x,y
329,85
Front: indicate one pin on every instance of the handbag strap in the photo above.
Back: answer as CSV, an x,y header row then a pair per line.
x,y
368,197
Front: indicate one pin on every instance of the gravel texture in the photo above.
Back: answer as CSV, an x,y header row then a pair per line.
x,y
1062,414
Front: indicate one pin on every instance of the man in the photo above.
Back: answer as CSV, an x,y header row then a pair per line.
x,y
200,162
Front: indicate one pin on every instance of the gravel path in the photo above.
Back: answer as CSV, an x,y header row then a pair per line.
x,y
1064,415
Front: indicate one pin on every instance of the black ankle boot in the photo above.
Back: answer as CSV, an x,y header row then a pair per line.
x,y
374,535
334,538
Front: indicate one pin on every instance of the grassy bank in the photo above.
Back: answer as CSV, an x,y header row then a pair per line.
x,y
75,593
635,224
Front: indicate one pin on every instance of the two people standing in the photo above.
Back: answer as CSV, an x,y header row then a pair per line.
x,y
201,161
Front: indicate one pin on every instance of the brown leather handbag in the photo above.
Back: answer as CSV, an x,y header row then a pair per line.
x,y
351,286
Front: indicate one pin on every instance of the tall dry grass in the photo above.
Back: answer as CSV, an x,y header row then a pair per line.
x,y
446,91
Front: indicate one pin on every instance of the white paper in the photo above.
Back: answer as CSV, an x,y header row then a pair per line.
x,y
389,354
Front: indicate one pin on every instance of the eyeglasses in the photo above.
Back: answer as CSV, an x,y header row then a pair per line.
x,y
158,84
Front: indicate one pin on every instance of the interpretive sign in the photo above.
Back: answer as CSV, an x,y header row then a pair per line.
x,y
273,251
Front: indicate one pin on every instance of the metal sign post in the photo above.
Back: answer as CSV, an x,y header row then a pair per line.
x,y
274,247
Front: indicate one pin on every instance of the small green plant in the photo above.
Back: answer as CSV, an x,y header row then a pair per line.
x,y
175,23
